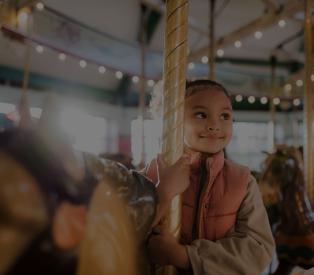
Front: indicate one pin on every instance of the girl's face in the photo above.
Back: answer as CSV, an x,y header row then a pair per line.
x,y
208,121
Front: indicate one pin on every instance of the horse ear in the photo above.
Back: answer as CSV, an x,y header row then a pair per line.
x,y
68,225
266,153
50,130
48,122
48,126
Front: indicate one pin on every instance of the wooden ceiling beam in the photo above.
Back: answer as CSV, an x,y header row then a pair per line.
x,y
160,7
261,23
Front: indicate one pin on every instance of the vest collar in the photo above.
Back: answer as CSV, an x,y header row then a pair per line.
x,y
214,163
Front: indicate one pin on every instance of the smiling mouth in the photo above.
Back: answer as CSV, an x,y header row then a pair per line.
x,y
211,137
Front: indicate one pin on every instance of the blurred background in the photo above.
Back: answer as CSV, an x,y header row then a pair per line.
x,y
89,55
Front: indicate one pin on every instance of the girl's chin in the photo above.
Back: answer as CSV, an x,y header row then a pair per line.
x,y
202,149
208,151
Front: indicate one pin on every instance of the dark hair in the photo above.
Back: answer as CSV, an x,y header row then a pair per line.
x,y
197,85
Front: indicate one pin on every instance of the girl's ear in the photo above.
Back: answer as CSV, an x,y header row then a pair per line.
x,y
68,225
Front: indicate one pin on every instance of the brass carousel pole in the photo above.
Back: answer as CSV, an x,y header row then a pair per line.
x,y
308,101
211,41
174,77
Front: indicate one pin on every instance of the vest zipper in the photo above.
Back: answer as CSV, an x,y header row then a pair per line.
x,y
202,186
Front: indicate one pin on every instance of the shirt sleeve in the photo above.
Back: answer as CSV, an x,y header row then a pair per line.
x,y
246,249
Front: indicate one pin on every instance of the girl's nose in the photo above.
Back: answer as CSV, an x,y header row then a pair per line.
x,y
213,126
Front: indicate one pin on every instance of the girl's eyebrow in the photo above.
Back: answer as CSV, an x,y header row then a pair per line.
x,y
199,107
205,108
227,108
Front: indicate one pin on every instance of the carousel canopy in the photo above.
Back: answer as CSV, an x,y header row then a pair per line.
x,y
93,48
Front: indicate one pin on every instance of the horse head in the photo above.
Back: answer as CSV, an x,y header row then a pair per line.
x,y
282,170
66,212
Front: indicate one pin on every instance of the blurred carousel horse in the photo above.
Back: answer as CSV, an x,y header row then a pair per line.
x,y
62,213
292,217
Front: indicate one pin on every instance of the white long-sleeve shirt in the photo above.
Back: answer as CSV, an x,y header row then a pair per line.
x,y
245,250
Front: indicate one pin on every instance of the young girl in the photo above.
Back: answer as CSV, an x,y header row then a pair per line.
x,y
224,228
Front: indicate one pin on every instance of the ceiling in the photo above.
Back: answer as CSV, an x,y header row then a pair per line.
x,y
106,33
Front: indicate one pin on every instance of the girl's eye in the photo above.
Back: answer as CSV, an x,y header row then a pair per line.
x,y
225,116
201,115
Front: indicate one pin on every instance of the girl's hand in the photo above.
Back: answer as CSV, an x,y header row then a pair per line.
x,y
174,179
164,249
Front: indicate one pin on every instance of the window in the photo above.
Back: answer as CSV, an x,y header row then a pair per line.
x,y
249,141
152,137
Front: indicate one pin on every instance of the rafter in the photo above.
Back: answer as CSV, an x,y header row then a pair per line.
x,y
263,22
159,6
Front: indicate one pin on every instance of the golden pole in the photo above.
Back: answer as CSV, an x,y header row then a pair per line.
x,y
308,101
211,41
174,77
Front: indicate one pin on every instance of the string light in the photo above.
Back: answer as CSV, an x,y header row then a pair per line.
x,y
135,79
220,52
150,83
238,44
62,56
39,49
299,83
101,69
288,87
251,99
119,74
191,66
264,100
204,59
276,101
40,6
281,23
238,98
296,102
258,35
83,63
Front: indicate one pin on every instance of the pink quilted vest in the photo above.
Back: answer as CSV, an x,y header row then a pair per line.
x,y
215,210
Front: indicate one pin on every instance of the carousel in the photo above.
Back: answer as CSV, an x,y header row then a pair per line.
x,y
76,197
